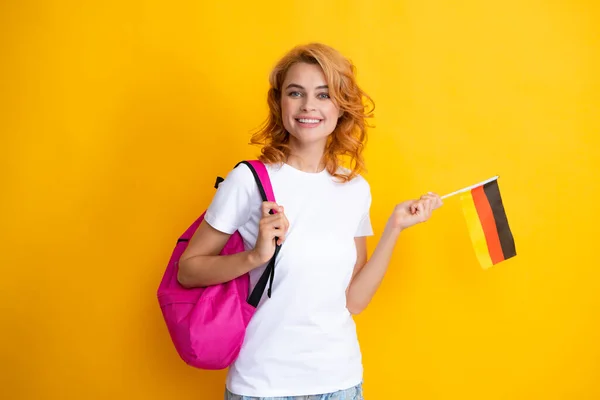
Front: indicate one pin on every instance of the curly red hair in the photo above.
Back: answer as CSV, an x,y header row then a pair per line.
x,y
348,139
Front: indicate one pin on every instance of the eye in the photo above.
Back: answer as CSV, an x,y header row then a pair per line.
x,y
323,95
294,94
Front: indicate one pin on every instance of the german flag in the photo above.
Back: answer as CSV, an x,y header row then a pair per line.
x,y
487,224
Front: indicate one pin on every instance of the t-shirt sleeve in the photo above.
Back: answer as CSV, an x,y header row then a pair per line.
x,y
232,204
364,226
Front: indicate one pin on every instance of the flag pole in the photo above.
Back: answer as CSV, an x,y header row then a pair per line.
x,y
470,187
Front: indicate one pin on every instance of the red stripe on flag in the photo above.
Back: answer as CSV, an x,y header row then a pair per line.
x,y
488,223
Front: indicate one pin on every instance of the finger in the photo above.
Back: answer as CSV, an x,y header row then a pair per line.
x,y
271,233
278,234
286,223
269,228
424,209
284,228
418,208
438,202
428,199
267,206
428,212
279,223
429,205
281,239
274,220
414,207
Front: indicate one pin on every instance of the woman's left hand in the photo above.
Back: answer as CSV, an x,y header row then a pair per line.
x,y
412,212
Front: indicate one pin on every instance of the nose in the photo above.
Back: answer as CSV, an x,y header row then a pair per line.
x,y
307,104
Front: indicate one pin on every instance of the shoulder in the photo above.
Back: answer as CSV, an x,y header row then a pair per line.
x,y
238,176
239,181
240,172
358,189
364,189
359,181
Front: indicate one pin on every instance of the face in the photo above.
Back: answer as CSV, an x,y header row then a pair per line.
x,y
308,113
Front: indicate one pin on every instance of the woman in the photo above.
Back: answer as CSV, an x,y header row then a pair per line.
x,y
302,341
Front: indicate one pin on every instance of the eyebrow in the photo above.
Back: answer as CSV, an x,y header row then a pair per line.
x,y
295,85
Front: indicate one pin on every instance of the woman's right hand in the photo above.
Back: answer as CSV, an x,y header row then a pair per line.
x,y
271,226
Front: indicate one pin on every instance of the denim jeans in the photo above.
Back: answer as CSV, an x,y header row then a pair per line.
x,y
354,393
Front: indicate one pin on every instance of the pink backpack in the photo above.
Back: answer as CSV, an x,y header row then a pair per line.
x,y
207,325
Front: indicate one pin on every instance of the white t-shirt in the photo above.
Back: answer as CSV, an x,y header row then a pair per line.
x,y
302,340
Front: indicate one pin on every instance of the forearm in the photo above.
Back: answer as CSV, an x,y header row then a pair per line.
x,y
201,271
367,280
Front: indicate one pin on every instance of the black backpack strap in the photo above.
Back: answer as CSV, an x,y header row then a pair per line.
x,y
269,272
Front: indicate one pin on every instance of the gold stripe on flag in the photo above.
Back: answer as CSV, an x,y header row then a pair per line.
x,y
475,230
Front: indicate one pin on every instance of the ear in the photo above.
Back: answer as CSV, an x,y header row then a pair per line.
x,y
340,113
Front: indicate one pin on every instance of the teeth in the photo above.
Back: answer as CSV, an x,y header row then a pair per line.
x,y
309,121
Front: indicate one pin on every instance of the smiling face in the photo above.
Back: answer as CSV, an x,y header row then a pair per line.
x,y
308,113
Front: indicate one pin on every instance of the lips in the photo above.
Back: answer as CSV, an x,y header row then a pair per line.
x,y
308,122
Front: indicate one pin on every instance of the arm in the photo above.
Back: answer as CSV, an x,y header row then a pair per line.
x,y
201,265
367,275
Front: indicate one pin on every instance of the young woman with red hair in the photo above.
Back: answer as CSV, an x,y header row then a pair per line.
x,y
302,342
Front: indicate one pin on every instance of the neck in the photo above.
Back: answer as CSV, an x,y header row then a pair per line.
x,y
306,157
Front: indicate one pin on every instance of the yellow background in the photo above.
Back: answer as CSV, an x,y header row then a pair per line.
x,y
116,117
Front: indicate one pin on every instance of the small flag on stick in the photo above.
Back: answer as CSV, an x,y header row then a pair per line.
x,y
487,222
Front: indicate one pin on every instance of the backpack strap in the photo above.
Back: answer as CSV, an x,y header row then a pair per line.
x,y
261,176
